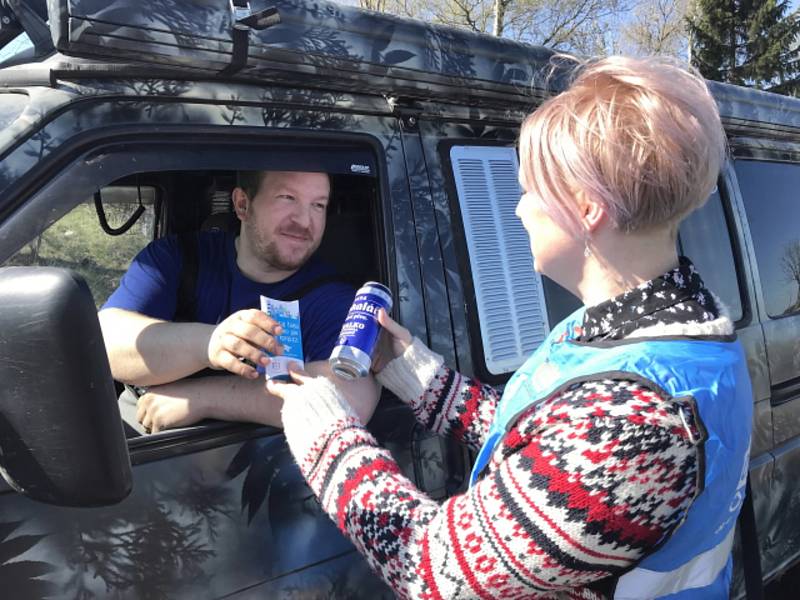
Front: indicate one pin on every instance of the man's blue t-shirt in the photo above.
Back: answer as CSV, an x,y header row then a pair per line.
x,y
150,287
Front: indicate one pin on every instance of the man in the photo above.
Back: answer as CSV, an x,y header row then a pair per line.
x,y
283,218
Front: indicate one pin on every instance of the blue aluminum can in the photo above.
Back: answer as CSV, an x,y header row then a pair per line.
x,y
352,356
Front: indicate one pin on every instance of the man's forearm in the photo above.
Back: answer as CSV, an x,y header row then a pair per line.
x,y
233,398
146,351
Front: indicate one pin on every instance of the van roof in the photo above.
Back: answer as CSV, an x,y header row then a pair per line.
x,y
322,45
314,43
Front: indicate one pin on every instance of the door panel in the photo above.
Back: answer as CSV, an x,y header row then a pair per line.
x,y
225,516
771,211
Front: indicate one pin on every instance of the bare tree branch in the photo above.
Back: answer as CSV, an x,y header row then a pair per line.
x,y
657,27
570,25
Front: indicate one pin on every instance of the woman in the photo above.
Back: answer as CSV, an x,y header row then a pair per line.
x,y
631,419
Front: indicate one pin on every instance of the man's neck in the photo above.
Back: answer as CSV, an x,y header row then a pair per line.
x,y
256,269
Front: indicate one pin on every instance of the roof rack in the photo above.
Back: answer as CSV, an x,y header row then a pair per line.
x,y
307,43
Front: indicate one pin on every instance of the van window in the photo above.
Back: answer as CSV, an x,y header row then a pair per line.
x,y
508,293
770,193
77,242
705,238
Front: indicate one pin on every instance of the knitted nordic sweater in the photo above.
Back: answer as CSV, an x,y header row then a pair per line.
x,y
581,488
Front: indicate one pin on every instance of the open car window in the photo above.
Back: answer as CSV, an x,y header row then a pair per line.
x,y
78,242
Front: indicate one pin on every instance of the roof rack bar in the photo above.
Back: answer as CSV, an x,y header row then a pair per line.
x,y
242,21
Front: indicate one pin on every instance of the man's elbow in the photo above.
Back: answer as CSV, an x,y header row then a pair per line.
x,y
111,323
113,327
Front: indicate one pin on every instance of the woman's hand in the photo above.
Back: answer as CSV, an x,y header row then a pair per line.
x,y
360,396
284,389
394,340
313,408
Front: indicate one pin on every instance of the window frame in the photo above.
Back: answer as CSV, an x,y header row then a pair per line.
x,y
463,257
724,184
29,210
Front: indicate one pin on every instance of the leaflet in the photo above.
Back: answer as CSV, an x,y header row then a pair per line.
x,y
287,313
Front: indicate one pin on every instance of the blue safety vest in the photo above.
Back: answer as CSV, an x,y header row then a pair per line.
x,y
695,561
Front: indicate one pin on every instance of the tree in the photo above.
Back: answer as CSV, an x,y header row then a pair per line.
x,y
790,263
746,42
475,15
569,25
657,27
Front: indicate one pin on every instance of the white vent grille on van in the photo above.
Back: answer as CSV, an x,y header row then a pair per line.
x,y
511,307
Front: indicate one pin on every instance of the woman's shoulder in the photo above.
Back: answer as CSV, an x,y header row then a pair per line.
x,y
607,408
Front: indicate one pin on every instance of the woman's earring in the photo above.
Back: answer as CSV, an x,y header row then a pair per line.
x,y
586,252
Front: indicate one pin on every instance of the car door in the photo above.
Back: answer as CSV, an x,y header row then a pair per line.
x,y
768,184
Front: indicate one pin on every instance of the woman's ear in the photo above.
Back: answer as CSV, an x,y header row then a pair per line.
x,y
592,212
240,202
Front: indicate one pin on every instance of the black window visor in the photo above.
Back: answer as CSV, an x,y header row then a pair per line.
x,y
335,160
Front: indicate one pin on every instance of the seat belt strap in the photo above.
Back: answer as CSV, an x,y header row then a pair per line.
x,y
186,305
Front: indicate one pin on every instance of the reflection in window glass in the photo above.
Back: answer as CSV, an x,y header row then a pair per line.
x,y
19,44
705,239
11,107
77,242
771,193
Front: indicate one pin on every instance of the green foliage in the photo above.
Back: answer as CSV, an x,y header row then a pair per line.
x,y
77,242
746,42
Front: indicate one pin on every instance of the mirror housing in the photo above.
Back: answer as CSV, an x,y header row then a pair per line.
x,y
61,436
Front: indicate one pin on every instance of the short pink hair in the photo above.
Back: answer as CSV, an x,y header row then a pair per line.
x,y
641,136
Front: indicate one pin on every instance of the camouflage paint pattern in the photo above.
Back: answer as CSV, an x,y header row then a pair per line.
x,y
239,520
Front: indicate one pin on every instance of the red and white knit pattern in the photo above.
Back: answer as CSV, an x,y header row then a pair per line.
x,y
458,406
580,489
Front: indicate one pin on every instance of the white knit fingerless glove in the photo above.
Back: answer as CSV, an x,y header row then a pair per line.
x,y
409,375
310,413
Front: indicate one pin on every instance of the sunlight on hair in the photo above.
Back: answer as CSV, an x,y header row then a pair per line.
x,y
641,136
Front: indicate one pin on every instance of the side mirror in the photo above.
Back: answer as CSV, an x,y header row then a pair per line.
x,y
61,437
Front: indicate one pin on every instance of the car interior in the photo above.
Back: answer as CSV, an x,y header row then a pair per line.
x,y
185,201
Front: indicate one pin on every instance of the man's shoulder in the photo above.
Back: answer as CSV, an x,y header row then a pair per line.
x,y
321,284
211,240
212,248
325,274
176,244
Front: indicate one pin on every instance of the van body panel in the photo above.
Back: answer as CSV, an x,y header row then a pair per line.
x,y
766,127
779,536
237,516
754,110
783,350
440,336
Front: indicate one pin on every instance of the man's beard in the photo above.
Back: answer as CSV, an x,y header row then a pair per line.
x,y
270,252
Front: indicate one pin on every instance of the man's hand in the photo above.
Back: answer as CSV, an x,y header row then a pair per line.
x,y
171,405
242,336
